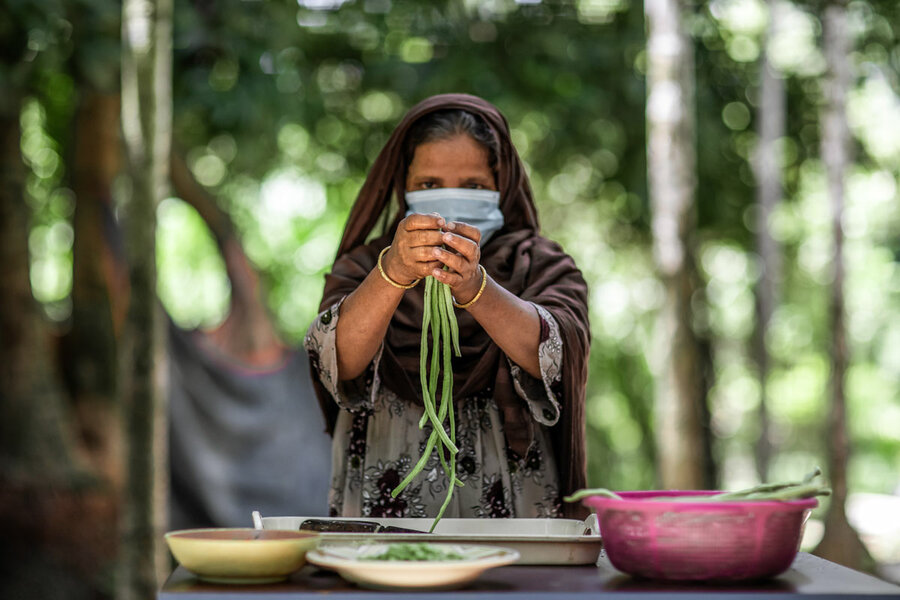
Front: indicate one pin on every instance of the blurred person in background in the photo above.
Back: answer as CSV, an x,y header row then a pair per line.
x,y
244,433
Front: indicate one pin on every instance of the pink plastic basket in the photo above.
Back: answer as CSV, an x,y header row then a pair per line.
x,y
693,541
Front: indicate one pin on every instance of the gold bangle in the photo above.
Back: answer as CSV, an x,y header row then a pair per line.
x,y
480,291
391,281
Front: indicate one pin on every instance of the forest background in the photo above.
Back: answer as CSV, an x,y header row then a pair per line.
x,y
757,142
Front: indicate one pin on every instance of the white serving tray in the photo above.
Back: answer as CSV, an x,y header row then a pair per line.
x,y
538,541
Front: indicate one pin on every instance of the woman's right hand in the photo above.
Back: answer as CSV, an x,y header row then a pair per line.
x,y
411,256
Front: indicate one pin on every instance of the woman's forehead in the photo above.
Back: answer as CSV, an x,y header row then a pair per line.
x,y
460,150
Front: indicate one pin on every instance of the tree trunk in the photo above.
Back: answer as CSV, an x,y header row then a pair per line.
x,y
671,164
53,514
767,167
841,543
36,447
146,125
99,285
191,191
247,334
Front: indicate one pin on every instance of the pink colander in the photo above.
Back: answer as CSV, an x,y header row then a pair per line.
x,y
710,541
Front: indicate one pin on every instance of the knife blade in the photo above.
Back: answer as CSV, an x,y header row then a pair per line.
x,y
354,526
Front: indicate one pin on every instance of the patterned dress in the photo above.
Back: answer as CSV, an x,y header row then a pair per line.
x,y
377,441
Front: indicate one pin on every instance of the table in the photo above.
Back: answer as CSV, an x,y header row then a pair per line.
x,y
808,578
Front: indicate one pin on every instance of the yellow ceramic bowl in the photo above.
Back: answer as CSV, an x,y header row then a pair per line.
x,y
241,555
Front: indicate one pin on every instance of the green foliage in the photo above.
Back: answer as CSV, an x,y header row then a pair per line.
x,y
51,237
309,103
280,109
32,34
192,282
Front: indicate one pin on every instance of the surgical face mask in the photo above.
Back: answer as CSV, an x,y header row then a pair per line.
x,y
478,208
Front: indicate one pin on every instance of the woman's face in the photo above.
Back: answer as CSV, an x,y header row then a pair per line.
x,y
457,162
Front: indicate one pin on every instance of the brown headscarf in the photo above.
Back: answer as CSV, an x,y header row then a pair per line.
x,y
516,257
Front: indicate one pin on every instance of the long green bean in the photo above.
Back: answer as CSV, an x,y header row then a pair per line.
x,y
439,318
790,490
582,494
423,356
420,464
454,327
446,397
429,393
770,487
430,308
429,406
446,403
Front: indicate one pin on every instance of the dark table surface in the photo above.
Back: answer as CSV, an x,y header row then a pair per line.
x,y
809,577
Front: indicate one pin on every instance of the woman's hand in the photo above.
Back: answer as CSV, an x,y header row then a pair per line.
x,y
411,256
463,275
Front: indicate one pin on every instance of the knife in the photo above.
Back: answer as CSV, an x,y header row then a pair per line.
x,y
342,526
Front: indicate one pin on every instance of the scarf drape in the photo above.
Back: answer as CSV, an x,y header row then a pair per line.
x,y
517,257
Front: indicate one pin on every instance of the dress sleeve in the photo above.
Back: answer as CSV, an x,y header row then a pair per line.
x,y
540,393
355,395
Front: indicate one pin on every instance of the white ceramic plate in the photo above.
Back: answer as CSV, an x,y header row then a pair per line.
x,y
349,561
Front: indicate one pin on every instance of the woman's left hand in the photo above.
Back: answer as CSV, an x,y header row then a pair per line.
x,y
463,275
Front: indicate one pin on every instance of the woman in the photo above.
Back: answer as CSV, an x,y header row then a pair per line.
x,y
461,199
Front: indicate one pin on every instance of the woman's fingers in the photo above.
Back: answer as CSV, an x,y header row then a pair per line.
x,y
465,230
420,259
423,254
457,263
417,221
424,269
451,278
424,237
410,255
418,248
466,246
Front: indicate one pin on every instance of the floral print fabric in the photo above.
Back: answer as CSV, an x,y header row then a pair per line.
x,y
377,441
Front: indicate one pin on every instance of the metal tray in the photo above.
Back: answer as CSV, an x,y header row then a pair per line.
x,y
538,541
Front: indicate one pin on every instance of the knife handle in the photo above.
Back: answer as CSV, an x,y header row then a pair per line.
x,y
334,525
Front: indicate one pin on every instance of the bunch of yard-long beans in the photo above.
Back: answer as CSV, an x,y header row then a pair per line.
x,y
439,316
789,490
